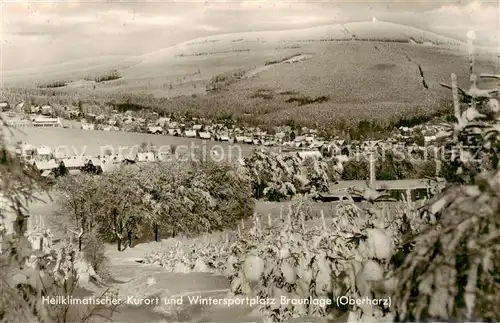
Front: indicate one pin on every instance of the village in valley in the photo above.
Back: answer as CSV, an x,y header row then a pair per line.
x,y
303,141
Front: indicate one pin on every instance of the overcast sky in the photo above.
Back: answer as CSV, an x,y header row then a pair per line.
x,y
45,33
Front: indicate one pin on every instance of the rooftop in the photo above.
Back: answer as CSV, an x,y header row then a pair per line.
x,y
403,184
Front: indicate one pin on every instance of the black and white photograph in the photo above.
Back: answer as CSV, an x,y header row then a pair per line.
x,y
249,161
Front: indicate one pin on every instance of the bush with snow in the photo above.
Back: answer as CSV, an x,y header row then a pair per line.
x,y
280,176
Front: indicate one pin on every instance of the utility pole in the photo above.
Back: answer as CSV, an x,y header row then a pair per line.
x,y
372,169
471,36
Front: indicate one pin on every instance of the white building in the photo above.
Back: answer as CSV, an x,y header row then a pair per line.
x,y
205,135
74,163
42,165
110,128
155,130
429,138
88,126
224,138
46,110
309,154
43,153
47,122
16,123
35,109
190,133
174,132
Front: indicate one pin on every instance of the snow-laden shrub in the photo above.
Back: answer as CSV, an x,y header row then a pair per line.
x,y
197,256
454,269
278,177
294,261
167,198
300,257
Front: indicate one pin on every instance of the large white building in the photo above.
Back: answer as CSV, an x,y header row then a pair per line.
x,y
13,119
47,122
16,123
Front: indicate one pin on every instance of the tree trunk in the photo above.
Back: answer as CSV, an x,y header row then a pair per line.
x,y
155,229
119,244
130,239
84,229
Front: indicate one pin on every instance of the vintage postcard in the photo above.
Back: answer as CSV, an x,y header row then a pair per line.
x,y
249,161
